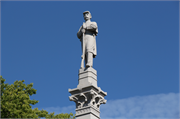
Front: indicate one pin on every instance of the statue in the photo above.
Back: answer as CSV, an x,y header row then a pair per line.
x,y
87,96
87,35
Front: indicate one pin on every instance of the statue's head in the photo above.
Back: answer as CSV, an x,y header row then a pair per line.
x,y
87,15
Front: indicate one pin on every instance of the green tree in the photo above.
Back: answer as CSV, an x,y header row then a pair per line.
x,y
15,102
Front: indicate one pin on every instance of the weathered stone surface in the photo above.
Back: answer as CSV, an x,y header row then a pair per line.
x,y
88,112
87,77
88,101
87,34
87,96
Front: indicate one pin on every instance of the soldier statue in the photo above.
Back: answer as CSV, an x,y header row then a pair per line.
x,y
87,35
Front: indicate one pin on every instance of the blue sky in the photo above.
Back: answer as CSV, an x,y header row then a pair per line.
x,y
137,54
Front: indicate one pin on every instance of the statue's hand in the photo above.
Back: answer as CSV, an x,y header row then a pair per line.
x,y
82,56
83,30
84,26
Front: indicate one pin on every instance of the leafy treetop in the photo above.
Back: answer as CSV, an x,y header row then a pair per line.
x,y
15,102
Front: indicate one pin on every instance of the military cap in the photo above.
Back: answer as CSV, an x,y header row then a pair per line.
x,y
87,12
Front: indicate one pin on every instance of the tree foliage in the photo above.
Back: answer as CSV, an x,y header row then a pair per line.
x,y
15,102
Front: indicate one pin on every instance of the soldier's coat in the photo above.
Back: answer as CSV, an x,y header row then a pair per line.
x,y
89,37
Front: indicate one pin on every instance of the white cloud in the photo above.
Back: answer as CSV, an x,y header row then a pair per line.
x,y
153,106
161,106
58,110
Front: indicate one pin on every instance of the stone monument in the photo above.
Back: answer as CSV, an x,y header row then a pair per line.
x,y
87,96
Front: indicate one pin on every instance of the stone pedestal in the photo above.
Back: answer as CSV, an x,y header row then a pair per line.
x,y
87,96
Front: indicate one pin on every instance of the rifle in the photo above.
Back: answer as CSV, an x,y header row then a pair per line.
x,y
83,52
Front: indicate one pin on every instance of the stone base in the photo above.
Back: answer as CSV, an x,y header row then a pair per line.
x,y
88,100
87,77
87,96
88,112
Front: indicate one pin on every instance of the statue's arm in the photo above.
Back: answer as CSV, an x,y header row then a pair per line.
x,y
93,27
79,33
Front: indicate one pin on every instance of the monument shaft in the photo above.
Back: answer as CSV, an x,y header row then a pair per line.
x,y
87,96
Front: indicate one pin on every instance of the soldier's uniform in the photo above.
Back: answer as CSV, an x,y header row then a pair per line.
x,y
90,34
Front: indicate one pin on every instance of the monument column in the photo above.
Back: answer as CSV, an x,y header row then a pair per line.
x,y
87,96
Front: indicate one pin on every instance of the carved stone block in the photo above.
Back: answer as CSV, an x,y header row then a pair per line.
x,y
87,96
87,77
88,112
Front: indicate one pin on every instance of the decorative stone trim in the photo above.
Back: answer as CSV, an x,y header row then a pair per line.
x,y
87,96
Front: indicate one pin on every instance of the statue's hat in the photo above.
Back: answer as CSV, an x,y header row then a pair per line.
x,y
86,12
